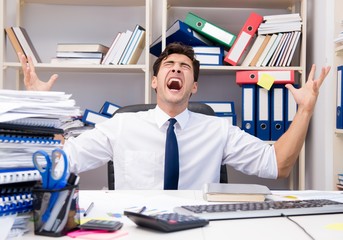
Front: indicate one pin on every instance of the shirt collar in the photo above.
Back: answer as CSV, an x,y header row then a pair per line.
x,y
162,117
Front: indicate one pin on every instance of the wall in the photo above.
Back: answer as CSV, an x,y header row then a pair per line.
x,y
319,144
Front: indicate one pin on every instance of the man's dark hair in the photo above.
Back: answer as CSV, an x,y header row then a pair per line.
x,y
178,48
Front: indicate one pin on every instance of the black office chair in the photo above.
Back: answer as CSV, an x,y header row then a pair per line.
x,y
193,106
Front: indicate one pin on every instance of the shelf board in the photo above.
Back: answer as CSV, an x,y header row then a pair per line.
x,y
339,50
273,4
339,131
84,68
125,3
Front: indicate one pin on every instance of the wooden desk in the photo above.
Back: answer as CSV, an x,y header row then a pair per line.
x,y
113,202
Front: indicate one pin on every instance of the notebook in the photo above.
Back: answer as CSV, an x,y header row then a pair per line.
x,y
19,175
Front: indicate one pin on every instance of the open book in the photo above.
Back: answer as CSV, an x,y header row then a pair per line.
x,y
222,192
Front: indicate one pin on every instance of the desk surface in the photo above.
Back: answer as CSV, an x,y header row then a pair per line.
x,y
110,205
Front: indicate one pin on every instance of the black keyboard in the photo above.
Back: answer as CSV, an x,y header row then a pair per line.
x,y
262,209
166,222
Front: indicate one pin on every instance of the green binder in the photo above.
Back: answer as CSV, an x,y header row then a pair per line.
x,y
209,30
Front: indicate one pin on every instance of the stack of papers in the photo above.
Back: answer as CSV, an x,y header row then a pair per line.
x,y
37,108
280,23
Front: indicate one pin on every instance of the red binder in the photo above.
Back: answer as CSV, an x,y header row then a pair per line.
x,y
252,77
243,39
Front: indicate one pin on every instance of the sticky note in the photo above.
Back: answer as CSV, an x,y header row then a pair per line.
x,y
335,226
266,81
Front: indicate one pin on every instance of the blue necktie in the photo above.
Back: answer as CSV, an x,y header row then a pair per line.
x,y
171,164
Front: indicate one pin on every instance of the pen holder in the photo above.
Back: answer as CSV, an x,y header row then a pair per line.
x,y
55,211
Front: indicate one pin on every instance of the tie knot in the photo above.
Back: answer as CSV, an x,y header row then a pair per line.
x,y
172,121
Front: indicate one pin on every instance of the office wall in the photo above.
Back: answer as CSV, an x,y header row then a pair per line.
x,y
319,144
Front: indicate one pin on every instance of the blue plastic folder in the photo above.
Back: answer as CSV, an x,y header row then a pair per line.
x,y
179,32
248,108
262,113
290,107
277,111
339,100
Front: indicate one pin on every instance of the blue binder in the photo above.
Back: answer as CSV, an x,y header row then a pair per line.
x,y
339,98
222,107
109,108
209,55
290,108
277,111
248,108
231,117
262,113
92,117
179,32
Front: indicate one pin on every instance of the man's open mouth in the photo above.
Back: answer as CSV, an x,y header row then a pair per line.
x,y
174,84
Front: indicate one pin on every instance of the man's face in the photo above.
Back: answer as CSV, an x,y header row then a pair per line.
x,y
174,82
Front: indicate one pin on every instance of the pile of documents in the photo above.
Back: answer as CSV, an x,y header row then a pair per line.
x,y
29,121
38,108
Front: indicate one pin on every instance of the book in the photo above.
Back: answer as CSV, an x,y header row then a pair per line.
x,y
253,50
226,192
211,31
81,47
266,49
26,43
292,51
110,52
63,54
62,60
179,32
138,49
272,50
120,47
14,41
134,47
260,50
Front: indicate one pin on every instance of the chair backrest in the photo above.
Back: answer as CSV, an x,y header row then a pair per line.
x,y
192,106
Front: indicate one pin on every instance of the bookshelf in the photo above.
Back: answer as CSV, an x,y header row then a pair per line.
x,y
25,8
231,15
337,61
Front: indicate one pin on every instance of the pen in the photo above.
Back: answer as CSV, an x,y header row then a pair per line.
x,y
142,209
88,209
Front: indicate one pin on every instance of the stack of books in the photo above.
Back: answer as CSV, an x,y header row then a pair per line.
x,y
275,45
126,47
80,53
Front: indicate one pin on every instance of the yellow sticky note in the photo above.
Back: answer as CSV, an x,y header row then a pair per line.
x,y
266,81
335,226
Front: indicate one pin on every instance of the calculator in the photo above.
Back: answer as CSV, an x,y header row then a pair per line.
x,y
166,222
95,224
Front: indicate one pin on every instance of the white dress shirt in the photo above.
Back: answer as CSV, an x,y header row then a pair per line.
x,y
136,142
